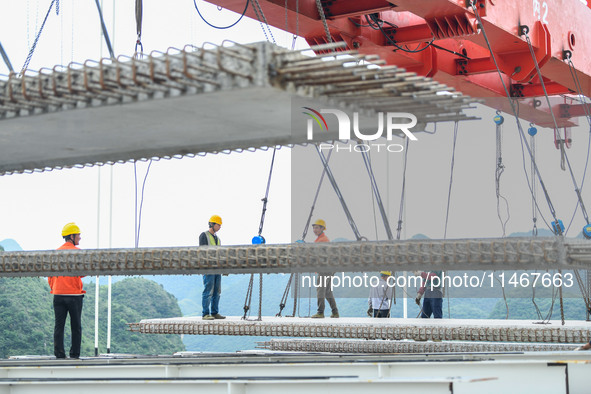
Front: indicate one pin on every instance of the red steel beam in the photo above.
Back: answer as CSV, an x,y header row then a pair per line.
x,y
459,57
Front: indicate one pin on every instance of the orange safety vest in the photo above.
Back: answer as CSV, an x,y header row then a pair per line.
x,y
322,238
66,285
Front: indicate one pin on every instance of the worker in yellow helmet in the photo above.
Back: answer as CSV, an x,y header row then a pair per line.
x,y
324,279
212,284
67,299
380,296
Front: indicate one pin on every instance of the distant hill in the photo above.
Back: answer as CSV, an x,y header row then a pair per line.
x,y
26,318
10,245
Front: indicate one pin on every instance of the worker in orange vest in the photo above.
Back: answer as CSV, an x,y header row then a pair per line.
x,y
324,280
67,299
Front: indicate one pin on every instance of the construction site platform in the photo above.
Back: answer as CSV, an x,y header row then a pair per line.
x,y
576,332
272,372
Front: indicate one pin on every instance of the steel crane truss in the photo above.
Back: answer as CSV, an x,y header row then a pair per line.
x,y
374,329
195,101
408,255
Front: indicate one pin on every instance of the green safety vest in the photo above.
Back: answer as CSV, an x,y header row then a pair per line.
x,y
211,239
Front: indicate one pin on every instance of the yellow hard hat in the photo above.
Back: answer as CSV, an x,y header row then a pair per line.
x,y
70,229
320,222
215,219
389,273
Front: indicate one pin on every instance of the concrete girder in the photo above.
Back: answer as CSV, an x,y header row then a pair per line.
x,y
408,255
194,101
371,329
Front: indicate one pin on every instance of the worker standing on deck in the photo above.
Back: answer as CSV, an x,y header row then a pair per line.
x,y
380,297
432,294
212,283
67,299
324,280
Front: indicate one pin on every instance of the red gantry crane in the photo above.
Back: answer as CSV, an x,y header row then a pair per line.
x,y
451,41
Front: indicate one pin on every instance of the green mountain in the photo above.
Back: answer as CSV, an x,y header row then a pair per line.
x,y
26,318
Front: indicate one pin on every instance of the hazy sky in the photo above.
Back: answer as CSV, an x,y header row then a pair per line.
x,y
180,195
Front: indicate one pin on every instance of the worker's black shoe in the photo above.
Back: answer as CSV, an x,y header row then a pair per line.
x,y
217,316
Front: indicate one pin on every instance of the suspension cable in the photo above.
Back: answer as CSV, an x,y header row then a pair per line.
x,y
307,226
402,192
320,8
6,59
587,110
259,239
266,198
376,193
500,168
104,29
333,182
557,229
258,11
565,155
138,26
32,50
532,131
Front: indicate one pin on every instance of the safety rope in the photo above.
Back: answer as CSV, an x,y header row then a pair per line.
x,y
38,35
138,215
104,28
333,182
376,192
323,19
6,59
500,168
557,229
138,27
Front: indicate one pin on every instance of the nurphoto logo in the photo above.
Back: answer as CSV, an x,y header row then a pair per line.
x,y
387,123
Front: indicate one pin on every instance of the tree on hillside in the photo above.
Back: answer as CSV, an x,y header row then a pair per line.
x,y
26,318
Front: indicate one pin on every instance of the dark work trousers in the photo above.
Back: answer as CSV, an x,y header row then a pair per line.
x,y
432,304
381,312
62,305
325,292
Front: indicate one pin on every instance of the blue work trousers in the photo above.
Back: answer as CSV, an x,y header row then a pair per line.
x,y
212,288
432,306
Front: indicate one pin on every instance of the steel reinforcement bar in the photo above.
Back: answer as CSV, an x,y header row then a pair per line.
x,y
372,329
363,346
473,254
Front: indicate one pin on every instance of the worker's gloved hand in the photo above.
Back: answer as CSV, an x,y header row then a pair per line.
x,y
418,299
370,312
